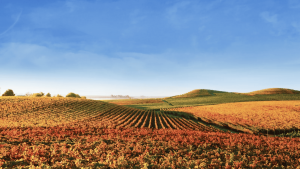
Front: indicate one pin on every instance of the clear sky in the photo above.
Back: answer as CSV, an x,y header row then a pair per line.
x,y
148,47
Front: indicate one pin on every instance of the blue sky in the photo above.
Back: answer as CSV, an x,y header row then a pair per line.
x,y
148,47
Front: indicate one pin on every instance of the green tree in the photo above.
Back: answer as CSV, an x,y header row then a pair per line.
x,y
8,92
73,95
38,94
48,95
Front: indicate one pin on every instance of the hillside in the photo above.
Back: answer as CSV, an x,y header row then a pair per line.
x,y
207,92
198,93
49,112
272,91
78,133
201,97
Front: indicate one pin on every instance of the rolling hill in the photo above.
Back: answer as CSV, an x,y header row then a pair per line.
x,y
272,91
199,93
48,112
50,131
208,92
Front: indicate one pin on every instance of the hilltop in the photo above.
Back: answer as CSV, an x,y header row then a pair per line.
x,y
208,92
199,93
272,91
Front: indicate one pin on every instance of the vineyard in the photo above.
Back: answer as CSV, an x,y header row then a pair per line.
x,y
81,133
135,101
203,97
252,117
46,112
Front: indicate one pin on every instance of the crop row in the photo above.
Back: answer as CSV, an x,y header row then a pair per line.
x,y
264,116
129,117
48,111
82,145
55,111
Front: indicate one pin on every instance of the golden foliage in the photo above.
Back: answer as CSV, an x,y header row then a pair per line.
x,y
264,114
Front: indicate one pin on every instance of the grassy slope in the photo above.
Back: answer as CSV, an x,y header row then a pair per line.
x,y
219,98
198,93
202,97
273,91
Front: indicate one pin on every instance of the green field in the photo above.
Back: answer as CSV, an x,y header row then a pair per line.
x,y
215,97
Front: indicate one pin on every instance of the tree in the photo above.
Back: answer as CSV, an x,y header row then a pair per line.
x,y
48,95
73,95
8,92
37,94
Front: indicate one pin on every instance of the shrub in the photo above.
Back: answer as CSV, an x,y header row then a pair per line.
x,y
37,94
8,92
48,95
73,95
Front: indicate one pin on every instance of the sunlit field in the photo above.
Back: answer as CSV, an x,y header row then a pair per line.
x,y
194,130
